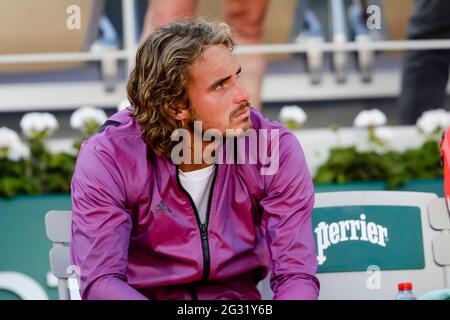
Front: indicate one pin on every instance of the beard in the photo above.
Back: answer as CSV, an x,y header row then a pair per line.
x,y
193,117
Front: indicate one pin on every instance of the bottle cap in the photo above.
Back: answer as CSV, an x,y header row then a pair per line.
x,y
405,286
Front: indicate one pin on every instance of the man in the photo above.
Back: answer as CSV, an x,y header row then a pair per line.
x,y
425,72
146,228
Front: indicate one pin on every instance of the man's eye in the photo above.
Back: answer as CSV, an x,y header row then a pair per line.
x,y
219,86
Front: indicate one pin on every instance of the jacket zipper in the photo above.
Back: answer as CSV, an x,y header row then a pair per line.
x,y
192,293
203,227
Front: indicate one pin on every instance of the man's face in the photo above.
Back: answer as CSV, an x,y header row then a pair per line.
x,y
217,96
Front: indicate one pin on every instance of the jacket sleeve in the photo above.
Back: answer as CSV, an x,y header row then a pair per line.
x,y
287,209
101,227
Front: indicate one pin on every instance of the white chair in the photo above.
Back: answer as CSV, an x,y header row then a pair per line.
x,y
405,239
58,229
441,243
366,241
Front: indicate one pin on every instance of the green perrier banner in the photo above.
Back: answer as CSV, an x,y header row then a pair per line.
x,y
352,238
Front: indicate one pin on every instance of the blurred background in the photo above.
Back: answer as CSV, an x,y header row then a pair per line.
x,y
331,87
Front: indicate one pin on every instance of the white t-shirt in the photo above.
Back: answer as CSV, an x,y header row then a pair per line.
x,y
198,184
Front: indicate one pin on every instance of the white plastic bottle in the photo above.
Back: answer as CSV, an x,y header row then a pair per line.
x,y
405,292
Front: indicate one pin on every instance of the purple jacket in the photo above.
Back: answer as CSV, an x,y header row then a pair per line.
x,y
136,235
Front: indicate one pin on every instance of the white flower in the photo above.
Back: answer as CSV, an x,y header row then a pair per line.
x,y
123,104
38,122
82,115
293,113
433,120
21,151
11,143
384,133
367,118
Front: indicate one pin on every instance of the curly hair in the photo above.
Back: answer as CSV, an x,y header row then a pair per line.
x,y
157,83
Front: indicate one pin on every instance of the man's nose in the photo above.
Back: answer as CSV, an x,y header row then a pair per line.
x,y
241,94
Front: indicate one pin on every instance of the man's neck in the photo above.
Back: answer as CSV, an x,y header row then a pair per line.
x,y
186,167
192,167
